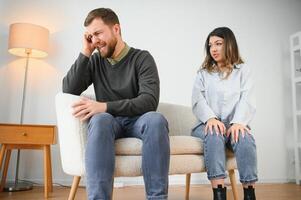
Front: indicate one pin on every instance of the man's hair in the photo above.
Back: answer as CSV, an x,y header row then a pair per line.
x,y
107,15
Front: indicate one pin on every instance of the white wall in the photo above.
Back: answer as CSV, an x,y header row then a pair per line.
x,y
174,32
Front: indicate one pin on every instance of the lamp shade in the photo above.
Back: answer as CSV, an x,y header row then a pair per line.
x,y
28,39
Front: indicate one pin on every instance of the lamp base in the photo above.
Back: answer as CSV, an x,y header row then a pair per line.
x,y
15,187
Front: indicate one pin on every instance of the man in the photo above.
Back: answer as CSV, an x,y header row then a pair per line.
x,y
126,85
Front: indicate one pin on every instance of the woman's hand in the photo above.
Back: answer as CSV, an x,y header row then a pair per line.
x,y
235,129
215,124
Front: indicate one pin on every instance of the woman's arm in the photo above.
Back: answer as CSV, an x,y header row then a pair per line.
x,y
200,107
244,110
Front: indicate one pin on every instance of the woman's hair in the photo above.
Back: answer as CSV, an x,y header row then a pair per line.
x,y
230,53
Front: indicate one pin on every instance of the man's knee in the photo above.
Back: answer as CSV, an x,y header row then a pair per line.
x,y
155,119
100,126
155,127
101,119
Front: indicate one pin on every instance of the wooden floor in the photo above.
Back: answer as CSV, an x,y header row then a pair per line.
x,y
197,192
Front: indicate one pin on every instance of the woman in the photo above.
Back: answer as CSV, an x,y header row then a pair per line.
x,y
221,103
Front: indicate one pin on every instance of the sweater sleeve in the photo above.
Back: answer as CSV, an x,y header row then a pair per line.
x,y
148,94
78,78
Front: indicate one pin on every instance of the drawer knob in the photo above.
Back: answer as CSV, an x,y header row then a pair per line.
x,y
24,134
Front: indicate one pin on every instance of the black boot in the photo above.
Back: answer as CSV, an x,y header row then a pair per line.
x,y
220,193
249,193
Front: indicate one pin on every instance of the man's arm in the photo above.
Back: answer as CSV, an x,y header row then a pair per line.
x,y
148,94
78,77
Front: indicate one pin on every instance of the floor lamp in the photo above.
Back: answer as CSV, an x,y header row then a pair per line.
x,y
30,41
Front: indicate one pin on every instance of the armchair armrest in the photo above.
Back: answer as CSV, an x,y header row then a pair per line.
x,y
71,134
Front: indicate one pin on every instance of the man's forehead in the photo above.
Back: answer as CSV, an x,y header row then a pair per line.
x,y
96,25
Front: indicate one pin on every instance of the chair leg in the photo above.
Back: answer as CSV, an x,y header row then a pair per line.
x,y
74,187
233,184
187,186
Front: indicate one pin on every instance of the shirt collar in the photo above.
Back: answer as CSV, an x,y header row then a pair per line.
x,y
121,55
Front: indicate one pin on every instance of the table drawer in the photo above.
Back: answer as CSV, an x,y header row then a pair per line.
x,y
19,134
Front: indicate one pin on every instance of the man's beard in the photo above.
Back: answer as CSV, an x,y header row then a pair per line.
x,y
111,48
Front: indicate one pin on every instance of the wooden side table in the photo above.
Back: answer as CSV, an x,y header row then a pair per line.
x,y
17,136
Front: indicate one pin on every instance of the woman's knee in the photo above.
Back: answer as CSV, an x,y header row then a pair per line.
x,y
245,145
247,140
215,139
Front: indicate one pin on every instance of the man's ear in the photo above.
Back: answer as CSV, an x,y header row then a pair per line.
x,y
117,29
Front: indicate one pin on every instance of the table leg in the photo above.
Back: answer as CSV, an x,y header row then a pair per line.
x,y
5,168
49,169
2,151
46,187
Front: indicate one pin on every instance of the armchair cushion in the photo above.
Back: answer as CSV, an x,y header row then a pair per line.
x,y
179,145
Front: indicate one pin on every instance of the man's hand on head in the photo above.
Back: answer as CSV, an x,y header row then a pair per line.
x,y
86,108
88,46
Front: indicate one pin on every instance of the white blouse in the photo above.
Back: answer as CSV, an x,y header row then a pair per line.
x,y
226,99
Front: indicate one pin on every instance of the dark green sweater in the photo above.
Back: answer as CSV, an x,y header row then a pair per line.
x,y
131,87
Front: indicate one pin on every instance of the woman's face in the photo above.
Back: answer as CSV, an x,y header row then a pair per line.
x,y
216,46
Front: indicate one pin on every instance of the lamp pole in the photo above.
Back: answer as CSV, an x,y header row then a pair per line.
x,y
16,185
28,52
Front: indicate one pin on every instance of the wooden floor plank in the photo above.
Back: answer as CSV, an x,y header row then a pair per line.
x,y
197,192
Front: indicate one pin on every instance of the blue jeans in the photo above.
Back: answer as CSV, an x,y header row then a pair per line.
x,y
104,129
215,154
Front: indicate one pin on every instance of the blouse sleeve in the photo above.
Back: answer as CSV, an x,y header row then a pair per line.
x,y
244,110
200,107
